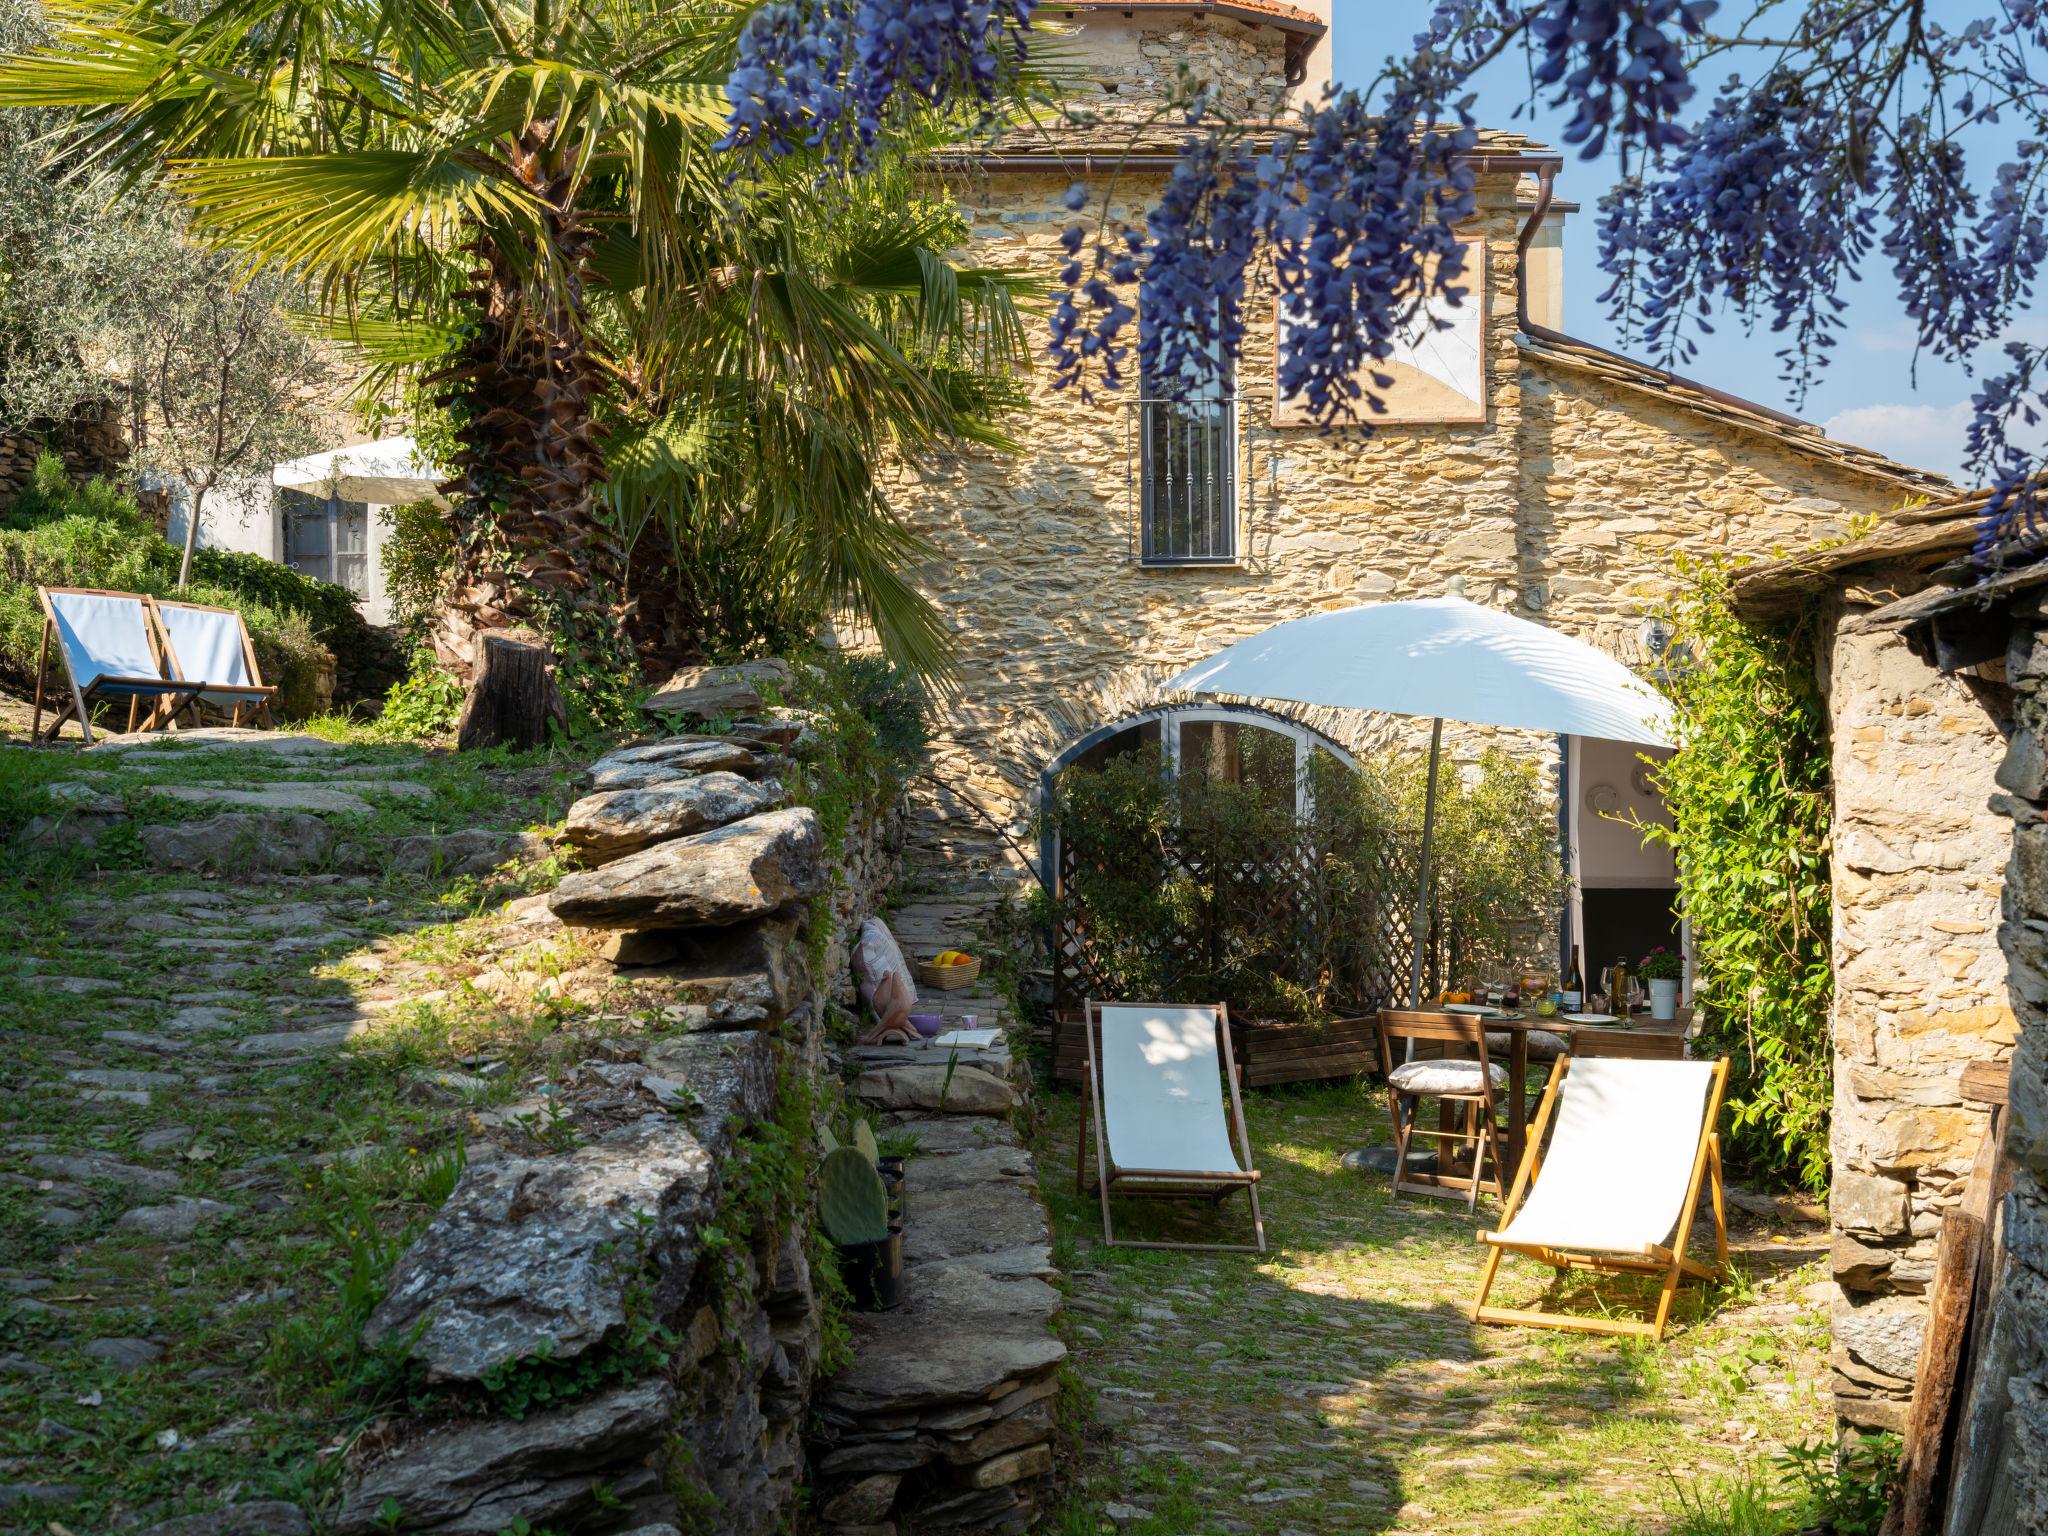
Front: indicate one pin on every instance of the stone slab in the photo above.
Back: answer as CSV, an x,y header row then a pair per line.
x,y
966,1091
535,1254
613,822
314,799
728,875
477,1478
216,739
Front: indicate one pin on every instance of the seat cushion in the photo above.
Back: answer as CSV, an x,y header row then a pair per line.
x,y
1442,1077
1543,1045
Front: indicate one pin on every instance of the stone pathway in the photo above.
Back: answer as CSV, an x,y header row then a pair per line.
x,y
945,1419
193,1145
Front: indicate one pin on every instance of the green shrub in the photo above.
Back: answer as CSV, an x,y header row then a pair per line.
x,y
1750,798
1203,887
418,557
425,704
57,534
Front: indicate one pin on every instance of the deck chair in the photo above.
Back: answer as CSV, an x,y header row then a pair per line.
x,y
109,651
1633,1141
1156,1075
211,647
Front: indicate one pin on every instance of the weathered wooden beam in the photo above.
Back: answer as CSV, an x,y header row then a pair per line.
x,y
1986,1082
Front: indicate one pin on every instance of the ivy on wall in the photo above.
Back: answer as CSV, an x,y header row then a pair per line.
x,y
1749,796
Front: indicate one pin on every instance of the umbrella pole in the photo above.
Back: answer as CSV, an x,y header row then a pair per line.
x,y
1387,1159
1436,747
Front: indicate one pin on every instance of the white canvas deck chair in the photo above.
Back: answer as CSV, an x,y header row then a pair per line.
x,y
1616,1189
1156,1077
211,647
109,651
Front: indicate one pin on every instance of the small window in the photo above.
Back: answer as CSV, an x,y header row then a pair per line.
x,y
1188,472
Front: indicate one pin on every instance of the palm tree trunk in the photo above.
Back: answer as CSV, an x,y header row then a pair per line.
x,y
529,456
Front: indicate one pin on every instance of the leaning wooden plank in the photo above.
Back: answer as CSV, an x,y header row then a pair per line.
x,y
1927,1439
1980,1499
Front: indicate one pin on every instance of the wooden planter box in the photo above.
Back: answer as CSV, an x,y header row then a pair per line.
x,y
1267,1051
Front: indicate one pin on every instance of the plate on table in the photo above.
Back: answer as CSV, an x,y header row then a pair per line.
x,y
1591,1018
1480,1011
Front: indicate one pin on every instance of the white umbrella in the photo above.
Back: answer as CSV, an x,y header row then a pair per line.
x,y
1442,658
386,473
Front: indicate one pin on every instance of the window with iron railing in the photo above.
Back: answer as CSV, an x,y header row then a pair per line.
x,y
1187,476
1184,459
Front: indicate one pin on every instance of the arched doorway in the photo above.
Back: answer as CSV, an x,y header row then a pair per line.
x,y
1208,738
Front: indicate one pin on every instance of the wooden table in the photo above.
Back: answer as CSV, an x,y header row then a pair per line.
x,y
1644,1039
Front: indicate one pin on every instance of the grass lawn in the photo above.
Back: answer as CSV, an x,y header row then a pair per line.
x,y
1335,1385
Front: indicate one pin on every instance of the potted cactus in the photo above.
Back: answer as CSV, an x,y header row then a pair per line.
x,y
853,1207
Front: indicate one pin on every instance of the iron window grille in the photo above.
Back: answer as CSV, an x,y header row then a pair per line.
x,y
1181,467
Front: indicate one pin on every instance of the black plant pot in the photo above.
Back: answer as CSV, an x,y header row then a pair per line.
x,y
873,1272
892,1186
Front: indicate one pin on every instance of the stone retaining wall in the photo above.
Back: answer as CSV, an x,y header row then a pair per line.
x,y
663,1375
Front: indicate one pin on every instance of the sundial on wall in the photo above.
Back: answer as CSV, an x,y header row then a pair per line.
x,y
1439,374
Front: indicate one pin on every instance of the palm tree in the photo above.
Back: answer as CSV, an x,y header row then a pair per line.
x,y
524,203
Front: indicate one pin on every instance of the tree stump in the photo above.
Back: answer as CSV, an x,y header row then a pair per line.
x,y
514,698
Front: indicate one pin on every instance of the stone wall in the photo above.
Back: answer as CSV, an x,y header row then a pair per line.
x,y
1920,985
93,446
2003,1490
593,1361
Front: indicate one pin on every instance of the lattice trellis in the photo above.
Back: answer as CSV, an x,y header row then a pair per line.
x,y
1349,939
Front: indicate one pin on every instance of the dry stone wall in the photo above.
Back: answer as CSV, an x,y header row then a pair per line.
x,y
597,1358
2004,1434
1920,987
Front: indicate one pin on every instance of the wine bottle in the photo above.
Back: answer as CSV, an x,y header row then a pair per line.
x,y
1574,985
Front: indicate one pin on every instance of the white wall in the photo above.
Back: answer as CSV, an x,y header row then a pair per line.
x,y
244,515
1613,854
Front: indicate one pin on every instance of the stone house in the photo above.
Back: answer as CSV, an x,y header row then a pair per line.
x,y
1132,536
1921,992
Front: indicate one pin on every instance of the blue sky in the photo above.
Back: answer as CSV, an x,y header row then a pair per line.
x,y
1869,394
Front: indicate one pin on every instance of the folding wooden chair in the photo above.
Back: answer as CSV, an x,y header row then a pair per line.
x,y
109,650
1617,1187
1465,1086
1156,1073
211,647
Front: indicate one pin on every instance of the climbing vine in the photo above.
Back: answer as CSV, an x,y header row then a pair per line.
x,y
1749,791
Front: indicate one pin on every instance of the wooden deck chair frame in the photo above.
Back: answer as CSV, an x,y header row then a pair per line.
x,y
1480,1111
1165,1183
166,700
257,695
1671,1263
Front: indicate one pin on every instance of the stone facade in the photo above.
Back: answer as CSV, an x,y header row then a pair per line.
x,y
1920,985
1566,504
